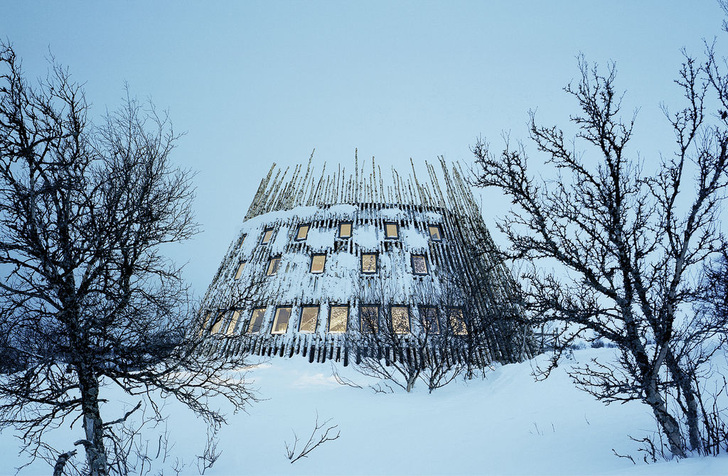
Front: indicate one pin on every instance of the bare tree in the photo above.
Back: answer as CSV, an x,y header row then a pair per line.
x,y
87,299
395,352
387,349
632,241
322,432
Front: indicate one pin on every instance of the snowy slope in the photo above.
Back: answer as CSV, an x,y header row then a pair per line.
x,y
503,424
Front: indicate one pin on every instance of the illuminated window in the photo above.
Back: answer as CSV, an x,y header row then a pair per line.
x,y
369,319
419,264
218,323
233,323
317,263
280,322
338,315
345,230
369,263
267,235
309,316
428,317
435,232
239,272
302,233
457,321
273,266
400,319
391,231
256,320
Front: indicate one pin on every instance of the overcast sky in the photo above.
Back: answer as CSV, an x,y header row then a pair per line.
x,y
252,83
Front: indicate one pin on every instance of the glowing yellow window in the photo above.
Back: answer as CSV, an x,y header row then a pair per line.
x,y
273,266
457,321
267,235
233,323
338,315
302,233
369,263
400,319
256,320
345,230
430,323
317,263
218,323
280,322
419,264
239,272
435,232
369,319
309,316
391,231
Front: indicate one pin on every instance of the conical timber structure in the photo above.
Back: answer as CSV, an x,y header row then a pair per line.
x,y
343,266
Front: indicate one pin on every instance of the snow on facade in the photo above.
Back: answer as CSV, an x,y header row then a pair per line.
x,y
325,266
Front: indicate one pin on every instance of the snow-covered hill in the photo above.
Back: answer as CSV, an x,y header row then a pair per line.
x,y
504,424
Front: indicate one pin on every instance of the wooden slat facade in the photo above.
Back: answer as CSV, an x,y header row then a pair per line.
x,y
467,271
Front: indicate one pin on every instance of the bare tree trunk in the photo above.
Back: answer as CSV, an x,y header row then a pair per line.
x,y
667,422
656,401
683,381
92,423
411,380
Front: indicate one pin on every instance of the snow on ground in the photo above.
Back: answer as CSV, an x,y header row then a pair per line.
x,y
504,424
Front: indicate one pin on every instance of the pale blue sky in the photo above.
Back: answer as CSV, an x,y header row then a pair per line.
x,y
259,82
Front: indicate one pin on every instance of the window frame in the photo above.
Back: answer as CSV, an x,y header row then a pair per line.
x,y
396,229
424,258
298,232
218,322
346,322
252,320
323,265
409,319
263,241
315,322
376,263
439,232
276,315
239,272
270,263
233,323
361,320
351,230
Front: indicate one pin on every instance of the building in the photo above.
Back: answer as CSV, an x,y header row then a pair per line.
x,y
337,266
